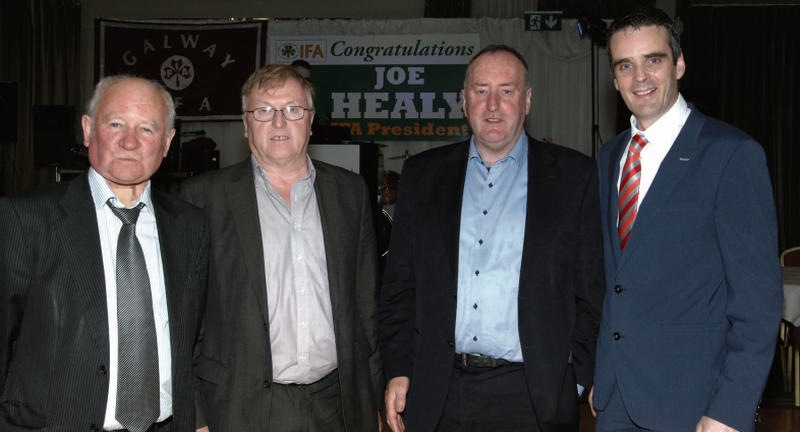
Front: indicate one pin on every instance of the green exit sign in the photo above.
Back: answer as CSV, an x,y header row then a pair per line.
x,y
543,21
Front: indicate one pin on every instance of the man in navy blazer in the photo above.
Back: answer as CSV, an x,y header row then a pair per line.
x,y
493,287
693,284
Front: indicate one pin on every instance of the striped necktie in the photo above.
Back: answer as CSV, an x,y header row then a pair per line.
x,y
629,189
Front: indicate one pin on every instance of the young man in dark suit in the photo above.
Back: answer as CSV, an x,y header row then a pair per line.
x,y
693,284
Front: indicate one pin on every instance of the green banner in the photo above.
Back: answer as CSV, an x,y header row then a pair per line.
x,y
387,87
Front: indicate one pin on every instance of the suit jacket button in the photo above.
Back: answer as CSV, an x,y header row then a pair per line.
x,y
267,383
102,369
451,343
618,289
94,428
616,336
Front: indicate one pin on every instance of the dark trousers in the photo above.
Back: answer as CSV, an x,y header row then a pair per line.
x,y
313,407
488,399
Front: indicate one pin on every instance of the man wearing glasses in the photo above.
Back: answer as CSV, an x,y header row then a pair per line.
x,y
289,340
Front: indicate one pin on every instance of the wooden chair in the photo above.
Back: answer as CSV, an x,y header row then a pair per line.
x,y
789,338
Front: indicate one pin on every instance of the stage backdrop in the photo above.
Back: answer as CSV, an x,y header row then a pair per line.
x,y
386,87
202,63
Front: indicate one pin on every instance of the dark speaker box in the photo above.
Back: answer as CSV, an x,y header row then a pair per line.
x,y
53,133
8,112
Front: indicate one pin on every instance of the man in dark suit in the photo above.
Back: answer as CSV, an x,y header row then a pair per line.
x,y
68,325
492,293
693,295
290,339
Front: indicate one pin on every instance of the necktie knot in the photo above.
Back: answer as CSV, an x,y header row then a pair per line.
x,y
637,144
128,216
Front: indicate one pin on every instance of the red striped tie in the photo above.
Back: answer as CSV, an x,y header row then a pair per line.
x,y
629,189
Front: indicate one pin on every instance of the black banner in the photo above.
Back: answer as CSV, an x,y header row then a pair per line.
x,y
202,63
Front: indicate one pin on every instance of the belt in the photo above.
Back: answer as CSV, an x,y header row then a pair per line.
x,y
480,361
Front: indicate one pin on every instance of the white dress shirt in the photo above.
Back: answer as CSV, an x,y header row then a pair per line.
x,y
109,226
659,136
302,341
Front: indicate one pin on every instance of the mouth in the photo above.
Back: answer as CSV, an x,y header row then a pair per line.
x,y
644,92
279,138
493,120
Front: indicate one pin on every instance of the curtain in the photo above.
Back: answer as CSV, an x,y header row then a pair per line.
x,y
742,64
39,42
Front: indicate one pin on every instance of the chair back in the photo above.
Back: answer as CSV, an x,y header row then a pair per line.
x,y
791,257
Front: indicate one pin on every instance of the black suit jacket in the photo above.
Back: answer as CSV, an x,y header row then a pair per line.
x,y
235,363
54,353
560,288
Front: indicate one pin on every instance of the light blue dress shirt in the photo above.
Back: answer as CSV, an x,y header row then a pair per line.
x,y
490,253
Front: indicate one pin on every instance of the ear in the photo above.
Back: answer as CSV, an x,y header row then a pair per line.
x,y
244,120
680,67
464,103
528,94
86,125
616,85
168,141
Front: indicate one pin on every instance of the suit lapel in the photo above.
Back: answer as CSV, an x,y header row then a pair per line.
x,y
449,196
613,194
331,218
542,189
669,175
80,240
171,236
244,208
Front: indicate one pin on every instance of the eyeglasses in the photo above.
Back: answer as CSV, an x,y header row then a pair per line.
x,y
267,113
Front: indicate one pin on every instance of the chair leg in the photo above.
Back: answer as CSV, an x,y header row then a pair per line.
x,y
796,378
783,353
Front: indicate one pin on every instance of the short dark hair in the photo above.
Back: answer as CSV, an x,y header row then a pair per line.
x,y
644,16
491,49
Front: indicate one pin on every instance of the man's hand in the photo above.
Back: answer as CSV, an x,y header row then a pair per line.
x,y
707,424
395,399
591,404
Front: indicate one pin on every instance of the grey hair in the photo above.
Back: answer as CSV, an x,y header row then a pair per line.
x,y
106,82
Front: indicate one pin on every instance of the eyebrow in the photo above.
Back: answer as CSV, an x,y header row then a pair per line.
x,y
646,56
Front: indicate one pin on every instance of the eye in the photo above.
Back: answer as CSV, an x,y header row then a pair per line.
x,y
147,130
655,60
292,109
265,109
507,91
114,124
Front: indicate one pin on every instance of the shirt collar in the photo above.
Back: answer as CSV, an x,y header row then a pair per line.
x,y
260,173
101,192
675,116
518,153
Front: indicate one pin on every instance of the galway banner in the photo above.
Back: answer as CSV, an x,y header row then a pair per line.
x,y
202,63
386,87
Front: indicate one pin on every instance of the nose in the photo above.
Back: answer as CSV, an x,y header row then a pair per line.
x,y
279,120
129,141
493,101
640,74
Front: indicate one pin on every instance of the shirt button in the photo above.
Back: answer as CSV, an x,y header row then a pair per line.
x,y
474,338
475,306
618,289
616,336
491,184
480,242
485,212
477,272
